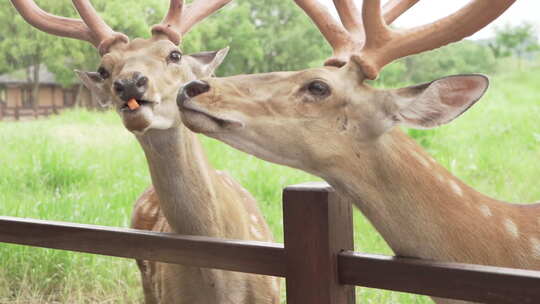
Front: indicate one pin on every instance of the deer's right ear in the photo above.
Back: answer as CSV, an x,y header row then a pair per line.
x,y
93,82
209,61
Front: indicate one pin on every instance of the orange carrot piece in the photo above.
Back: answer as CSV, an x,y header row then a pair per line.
x,y
133,104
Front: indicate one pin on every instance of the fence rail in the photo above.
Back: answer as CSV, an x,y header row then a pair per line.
x,y
317,258
20,112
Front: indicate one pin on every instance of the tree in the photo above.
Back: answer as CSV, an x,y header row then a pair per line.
x,y
458,58
23,46
267,36
514,40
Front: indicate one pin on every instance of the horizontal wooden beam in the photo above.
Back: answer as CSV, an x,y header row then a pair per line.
x,y
485,284
243,256
476,283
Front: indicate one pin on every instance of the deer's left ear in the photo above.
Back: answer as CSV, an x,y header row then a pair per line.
x,y
208,62
438,102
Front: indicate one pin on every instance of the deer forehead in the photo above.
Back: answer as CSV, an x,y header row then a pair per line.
x,y
138,51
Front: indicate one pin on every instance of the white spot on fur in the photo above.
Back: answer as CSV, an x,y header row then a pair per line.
x,y
535,246
511,228
256,233
455,187
439,177
254,219
486,211
421,159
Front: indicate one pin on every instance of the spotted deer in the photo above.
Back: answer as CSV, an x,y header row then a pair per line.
x,y
329,122
141,78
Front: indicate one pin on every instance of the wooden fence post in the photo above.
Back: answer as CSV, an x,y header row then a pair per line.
x,y
16,113
317,226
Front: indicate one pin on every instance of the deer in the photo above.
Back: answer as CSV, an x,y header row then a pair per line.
x,y
140,79
329,122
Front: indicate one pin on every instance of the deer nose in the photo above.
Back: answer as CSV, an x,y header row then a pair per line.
x,y
131,88
195,88
190,90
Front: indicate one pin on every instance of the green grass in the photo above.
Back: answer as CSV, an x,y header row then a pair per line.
x,y
84,167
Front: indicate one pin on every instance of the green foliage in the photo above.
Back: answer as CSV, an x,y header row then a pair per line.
x,y
271,35
459,58
23,45
514,40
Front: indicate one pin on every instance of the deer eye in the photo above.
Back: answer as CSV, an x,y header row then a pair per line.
x,y
318,88
174,56
103,73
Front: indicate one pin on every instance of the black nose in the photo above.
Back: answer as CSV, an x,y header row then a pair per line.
x,y
131,88
192,89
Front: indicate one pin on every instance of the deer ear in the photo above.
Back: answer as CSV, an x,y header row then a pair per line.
x,y
208,62
93,82
438,102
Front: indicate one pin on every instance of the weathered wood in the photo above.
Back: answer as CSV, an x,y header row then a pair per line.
x,y
244,256
484,284
317,227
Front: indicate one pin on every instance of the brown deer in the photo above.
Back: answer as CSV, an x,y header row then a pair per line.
x,y
141,79
329,122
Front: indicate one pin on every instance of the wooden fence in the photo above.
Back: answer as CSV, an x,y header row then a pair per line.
x,y
316,259
17,112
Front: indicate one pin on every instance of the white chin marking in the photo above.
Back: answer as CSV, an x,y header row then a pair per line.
x,y
160,123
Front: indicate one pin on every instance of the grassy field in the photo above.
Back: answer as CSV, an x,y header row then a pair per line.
x,y
84,167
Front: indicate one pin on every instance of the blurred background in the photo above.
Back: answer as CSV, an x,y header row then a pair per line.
x,y
62,157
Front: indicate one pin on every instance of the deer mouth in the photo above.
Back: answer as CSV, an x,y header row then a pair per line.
x,y
192,111
126,108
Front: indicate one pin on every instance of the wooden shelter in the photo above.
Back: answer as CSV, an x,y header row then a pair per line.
x,y
16,95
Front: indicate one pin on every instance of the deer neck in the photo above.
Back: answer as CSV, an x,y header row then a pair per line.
x,y
423,211
183,180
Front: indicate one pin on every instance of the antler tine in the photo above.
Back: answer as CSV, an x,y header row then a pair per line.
x,y
349,16
52,24
171,22
199,10
395,8
347,37
103,34
94,30
384,45
179,21
332,30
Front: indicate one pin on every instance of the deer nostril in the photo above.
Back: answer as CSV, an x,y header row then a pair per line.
x,y
118,86
196,87
142,81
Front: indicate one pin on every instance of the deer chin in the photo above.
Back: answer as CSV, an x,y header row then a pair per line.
x,y
203,121
147,116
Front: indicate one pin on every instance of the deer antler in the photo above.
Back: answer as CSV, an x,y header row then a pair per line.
x,y
375,44
178,21
93,29
347,37
384,45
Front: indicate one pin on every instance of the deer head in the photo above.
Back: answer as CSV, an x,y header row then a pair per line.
x,y
150,71
307,119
